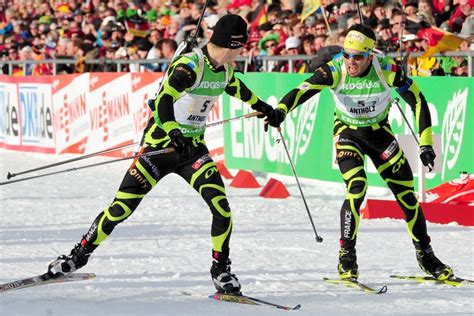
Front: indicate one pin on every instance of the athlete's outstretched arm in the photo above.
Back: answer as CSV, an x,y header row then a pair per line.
x,y
411,93
239,90
322,78
181,76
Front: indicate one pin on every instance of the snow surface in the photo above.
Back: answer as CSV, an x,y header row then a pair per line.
x,y
164,249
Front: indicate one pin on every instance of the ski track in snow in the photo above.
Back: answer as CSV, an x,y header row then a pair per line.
x,y
164,249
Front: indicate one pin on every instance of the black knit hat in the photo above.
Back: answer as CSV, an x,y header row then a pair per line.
x,y
230,32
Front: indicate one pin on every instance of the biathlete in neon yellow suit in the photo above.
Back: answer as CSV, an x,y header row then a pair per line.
x,y
193,83
361,84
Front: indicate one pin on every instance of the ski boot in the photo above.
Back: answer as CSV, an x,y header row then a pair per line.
x,y
65,265
224,281
347,266
428,261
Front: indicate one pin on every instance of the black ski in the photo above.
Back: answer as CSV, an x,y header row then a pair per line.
x,y
244,299
356,284
42,280
453,281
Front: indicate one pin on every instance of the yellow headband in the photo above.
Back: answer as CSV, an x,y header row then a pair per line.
x,y
358,41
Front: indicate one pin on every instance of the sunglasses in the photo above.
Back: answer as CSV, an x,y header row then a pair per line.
x,y
356,57
270,45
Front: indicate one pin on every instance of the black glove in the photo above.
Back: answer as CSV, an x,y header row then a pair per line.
x,y
180,143
427,156
275,118
263,107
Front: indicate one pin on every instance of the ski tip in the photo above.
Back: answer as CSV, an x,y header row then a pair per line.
x,y
297,307
384,289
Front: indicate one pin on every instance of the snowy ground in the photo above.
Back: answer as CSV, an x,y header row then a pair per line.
x,y
164,249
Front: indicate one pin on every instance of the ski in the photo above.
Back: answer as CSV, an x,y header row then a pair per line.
x,y
453,281
356,284
44,279
244,299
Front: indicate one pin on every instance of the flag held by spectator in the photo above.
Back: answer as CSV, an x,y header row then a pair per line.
x,y
137,27
259,16
439,41
309,7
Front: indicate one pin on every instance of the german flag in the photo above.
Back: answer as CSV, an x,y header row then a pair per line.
x,y
259,16
439,41
137,27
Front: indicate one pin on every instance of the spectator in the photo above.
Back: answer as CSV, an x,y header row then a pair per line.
x,y
386,42
251,51
308,44
319,41
42,25
110,56
143,47
168,48
61,52
319,28
292,47
411,9
462,11
26,53
268,46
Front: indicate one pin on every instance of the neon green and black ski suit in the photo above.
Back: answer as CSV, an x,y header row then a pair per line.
x,y
191,87
361,129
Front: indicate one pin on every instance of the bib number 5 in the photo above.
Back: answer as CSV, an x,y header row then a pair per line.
x,y
205,105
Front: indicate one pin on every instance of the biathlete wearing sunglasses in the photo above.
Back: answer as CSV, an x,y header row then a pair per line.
x,y
361,83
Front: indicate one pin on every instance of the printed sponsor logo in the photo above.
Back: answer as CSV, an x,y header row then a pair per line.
x,y
136,81
389,151
343,140
93,81
197,118
347,223
110,110
247,141
304,86
321,70
140,179
365,110
91,232
453,130
346,154
9,118
359,37
188,130
399,164
201,161
212,85
154,168
74,108
361,85
351,120
55,84
37,118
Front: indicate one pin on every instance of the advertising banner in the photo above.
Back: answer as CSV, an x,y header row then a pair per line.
x,y
71,119
308,129
10,125
83,113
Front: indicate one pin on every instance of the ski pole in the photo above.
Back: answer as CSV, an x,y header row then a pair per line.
x,y
158,152
396,101
11,175
282,139
98,153
234,119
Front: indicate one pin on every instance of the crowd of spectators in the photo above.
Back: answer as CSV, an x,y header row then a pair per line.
x,y
152,29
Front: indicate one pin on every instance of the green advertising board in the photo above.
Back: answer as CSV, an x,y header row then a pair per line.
x,y
308,130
